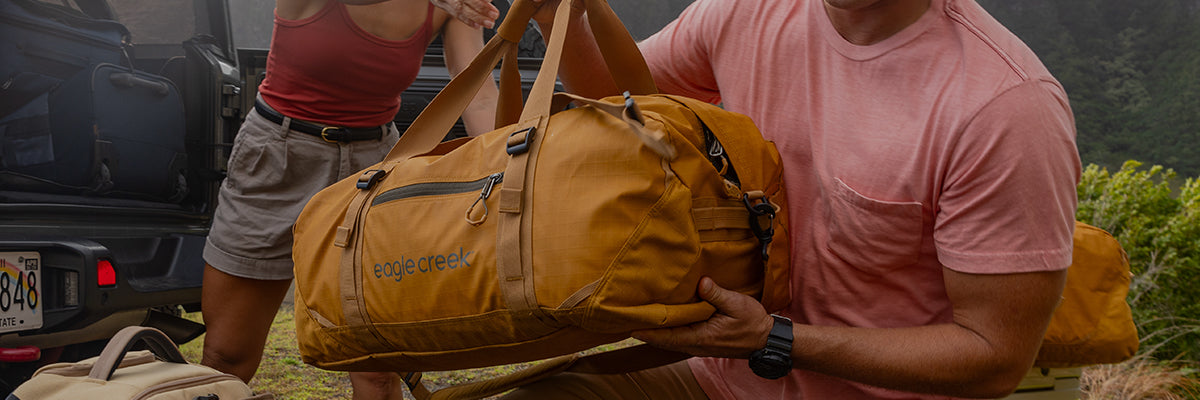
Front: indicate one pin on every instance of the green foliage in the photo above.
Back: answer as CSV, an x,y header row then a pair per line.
x,y
1130,68
1158,224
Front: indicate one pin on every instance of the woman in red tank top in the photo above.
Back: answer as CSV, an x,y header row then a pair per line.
x,y
335,73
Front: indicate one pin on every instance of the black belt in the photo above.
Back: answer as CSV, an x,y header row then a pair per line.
x,y
329,133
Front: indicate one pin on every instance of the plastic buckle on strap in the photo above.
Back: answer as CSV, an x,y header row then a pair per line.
x,y
369,178
759,209
326,131
631,108
518,145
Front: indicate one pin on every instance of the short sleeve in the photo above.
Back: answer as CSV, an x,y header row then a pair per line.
x,y
679,56
1009,195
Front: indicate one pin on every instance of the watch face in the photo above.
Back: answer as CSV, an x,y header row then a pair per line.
x,y
770,364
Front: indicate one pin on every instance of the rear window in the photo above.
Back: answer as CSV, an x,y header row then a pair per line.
x,y
157,21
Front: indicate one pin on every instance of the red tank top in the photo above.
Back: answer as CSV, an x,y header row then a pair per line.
x,y
327,69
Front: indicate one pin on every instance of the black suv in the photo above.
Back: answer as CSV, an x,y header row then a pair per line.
x,y
78,262
81,262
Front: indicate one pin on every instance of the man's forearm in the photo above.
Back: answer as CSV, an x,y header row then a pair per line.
x,y
942,359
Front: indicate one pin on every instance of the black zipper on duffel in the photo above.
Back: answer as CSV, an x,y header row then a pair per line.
x,y
483,186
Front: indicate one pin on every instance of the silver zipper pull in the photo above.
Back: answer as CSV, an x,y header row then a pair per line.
x,y
482,199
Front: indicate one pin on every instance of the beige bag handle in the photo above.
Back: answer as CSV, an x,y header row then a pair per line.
x,y
156,341
124,340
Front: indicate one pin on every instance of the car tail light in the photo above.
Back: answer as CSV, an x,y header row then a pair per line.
x,y
20,354
105,274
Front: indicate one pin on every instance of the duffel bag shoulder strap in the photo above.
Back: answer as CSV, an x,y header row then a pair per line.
x,y
731,130
629,359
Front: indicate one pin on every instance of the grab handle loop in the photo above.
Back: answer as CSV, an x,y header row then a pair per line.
x,y
762,208
482,199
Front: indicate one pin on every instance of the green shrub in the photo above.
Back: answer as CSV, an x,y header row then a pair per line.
x,y
1157,220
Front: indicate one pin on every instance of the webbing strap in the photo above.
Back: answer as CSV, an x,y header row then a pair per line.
x,y
514,269
349,268
710,218
513,248
415,386
618,361
508,107
655,139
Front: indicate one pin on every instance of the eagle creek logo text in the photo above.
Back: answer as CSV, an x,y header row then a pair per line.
x,y
408,266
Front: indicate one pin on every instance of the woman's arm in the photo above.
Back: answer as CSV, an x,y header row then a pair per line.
x,y
462,43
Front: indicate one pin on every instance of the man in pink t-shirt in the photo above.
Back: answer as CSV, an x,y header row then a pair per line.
x,y
931,168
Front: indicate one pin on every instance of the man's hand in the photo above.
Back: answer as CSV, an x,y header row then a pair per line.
x,y
474,13
739,327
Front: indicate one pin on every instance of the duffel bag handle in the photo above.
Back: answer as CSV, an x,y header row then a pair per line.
x,y
621,55
124,340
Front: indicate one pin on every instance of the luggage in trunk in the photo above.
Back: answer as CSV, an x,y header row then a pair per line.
x,y
54,41
75,119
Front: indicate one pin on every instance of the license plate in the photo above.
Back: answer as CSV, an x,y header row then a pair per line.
x,y
20,291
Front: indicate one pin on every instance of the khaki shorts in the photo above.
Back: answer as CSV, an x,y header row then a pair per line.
x,y
272,173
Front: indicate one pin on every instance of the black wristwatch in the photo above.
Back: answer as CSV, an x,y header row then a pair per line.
x,y
775,360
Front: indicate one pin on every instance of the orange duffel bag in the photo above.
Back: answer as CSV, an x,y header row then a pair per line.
x,y
1093,323
560,232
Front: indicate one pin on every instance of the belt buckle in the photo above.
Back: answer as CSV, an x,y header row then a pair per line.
x,y
327,130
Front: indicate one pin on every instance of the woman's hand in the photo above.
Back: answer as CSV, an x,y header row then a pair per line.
x,y
474,13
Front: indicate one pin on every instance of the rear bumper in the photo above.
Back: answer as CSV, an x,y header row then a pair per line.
x,y
153,270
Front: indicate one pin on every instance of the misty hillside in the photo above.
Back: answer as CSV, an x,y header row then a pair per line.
x,y
1131,68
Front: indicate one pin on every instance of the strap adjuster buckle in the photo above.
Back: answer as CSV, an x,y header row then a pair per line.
x,y
518,145
369,178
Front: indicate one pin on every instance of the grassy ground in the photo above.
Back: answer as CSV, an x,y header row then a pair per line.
x,y
283,374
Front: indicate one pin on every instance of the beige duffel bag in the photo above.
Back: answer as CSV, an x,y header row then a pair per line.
x,y
160,373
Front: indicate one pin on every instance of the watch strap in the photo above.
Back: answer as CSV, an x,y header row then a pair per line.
x,y
780,338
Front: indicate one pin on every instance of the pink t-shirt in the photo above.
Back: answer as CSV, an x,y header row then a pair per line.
x,y
947,145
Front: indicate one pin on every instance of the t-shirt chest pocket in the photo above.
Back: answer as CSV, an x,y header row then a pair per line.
x,y
873,235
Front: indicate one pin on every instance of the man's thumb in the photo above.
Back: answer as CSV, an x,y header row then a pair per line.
x,y
710,292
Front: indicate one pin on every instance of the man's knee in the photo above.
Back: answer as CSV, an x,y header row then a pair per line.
x,y
241,364
375,385
376,378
